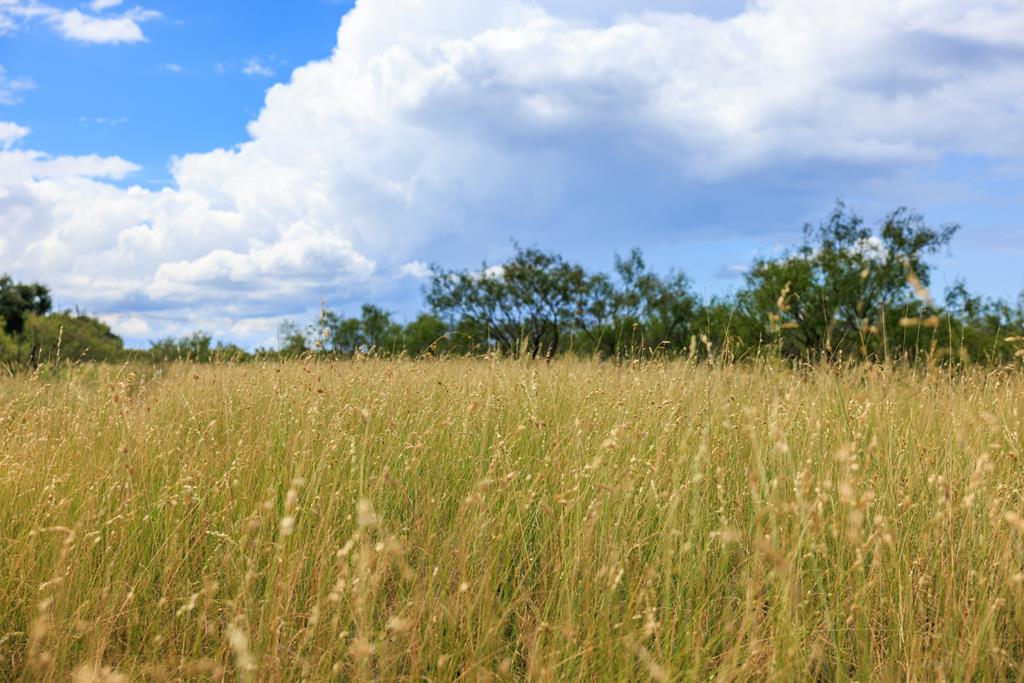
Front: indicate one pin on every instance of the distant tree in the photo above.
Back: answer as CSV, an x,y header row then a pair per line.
x,y
426,334
8,349
72,337
638,309
344,335
292,340
374,329
379,330
226,351
984,329
18,301
197,347
531,301
845,290
165,349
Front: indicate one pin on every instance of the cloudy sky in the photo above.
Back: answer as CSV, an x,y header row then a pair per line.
x,y
220,165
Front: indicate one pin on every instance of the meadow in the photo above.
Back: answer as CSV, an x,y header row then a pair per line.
x,y
500,520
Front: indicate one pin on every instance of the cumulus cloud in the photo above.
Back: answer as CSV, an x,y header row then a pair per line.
x,y
11,133
301,259
415,269
104,120
733,271
14,13
127,325
76,25
100,5
85,28
26,166
253,67
453,125
11,88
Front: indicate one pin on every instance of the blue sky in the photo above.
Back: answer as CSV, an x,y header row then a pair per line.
x,y
181,90
172,166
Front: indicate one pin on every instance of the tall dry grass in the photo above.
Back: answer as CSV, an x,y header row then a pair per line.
x,y
479,520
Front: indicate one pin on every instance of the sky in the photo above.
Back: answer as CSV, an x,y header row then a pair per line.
x,y
223,165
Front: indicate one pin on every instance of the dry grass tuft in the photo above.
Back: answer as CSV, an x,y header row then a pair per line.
x,y
497,520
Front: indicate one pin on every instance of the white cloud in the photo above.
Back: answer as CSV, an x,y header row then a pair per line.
x,y
733,270
104,120
253,67
455,124
251,327
173,68
127,325
26,166
10,133
415,269
11,88
77,25
14,13
301,259
100,5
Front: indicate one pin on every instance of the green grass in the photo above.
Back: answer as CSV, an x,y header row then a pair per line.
x,y
479,520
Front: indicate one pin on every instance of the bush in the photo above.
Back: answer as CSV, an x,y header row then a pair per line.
x,y
66,336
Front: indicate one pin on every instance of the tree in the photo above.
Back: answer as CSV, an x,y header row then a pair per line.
x,y
373,330
426,334
845,290
378,329
72,337
531,301
8,349
197,347
18,301
343,335
984,329
292,341
638,309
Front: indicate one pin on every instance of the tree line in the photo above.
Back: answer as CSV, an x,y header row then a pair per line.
x,y
849,291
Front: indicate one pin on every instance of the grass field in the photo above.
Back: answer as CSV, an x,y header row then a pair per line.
x,y
497,520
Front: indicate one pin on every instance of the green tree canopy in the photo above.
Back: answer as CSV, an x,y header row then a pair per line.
x,y
847,286
18,301
72,337
637,308
530,301
426,334
197,346
374,329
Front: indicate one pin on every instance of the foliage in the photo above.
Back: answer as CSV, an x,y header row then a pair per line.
x,y
848,293
71,337
527,304
197,347
19,301
292,340
8,350
373,330
636,309
987,330
841,291
426,334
